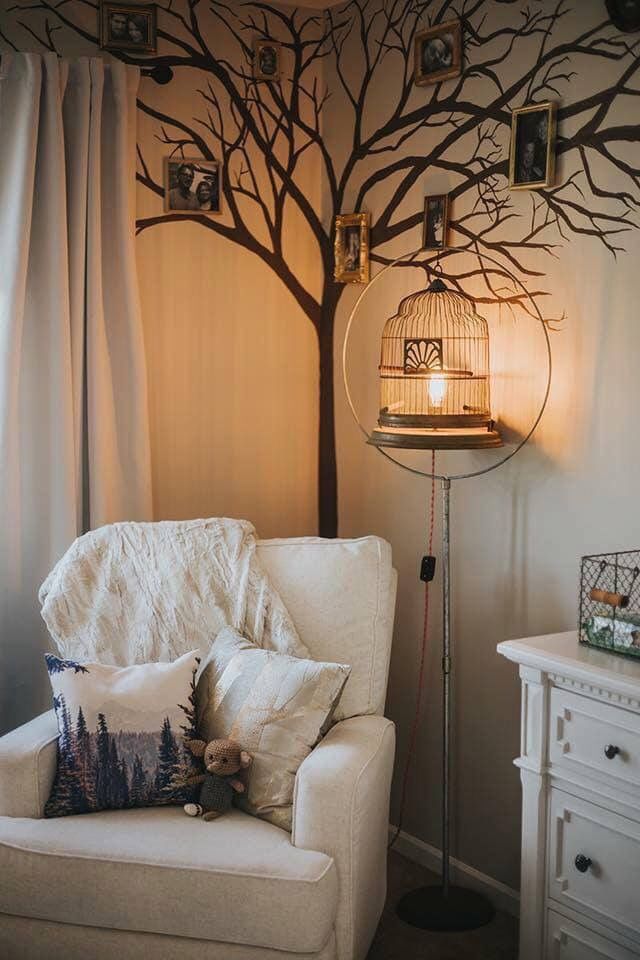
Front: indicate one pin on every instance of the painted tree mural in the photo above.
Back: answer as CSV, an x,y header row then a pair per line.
x,y
355,62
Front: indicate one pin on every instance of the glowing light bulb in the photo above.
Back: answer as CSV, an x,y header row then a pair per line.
x,y
437,388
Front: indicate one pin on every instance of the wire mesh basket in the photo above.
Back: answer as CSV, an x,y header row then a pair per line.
x,y
610,602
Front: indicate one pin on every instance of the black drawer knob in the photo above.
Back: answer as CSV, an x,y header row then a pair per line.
x,y
582,863
611,751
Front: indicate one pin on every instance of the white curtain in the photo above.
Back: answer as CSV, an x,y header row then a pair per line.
x,y
74,437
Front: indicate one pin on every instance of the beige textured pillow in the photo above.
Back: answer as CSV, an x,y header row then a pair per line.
x,y
277,707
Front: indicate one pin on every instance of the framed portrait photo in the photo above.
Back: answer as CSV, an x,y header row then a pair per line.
x,y
192,185
125,26
532,159
266,60
435,223
352,248
438,53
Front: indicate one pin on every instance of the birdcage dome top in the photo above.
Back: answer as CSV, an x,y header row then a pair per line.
x,y
432,310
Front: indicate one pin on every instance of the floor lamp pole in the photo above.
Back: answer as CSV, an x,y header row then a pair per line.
x,y
445,907
446,681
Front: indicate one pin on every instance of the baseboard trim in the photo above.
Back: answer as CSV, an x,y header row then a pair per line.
x,y
501,896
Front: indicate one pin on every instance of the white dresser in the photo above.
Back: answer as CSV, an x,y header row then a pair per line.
x,y
580,770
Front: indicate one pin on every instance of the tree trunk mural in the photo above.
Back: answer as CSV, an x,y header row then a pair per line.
x,y
515,53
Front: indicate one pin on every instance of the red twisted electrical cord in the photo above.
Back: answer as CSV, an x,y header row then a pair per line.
x,y
423,656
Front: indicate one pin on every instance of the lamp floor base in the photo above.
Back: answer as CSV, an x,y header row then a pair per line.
x,y
429,909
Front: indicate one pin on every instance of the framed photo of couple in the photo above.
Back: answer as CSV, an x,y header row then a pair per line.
x,y
192,185
127,26
532,158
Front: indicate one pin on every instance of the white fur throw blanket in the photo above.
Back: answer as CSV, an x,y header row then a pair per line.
x,y
142,592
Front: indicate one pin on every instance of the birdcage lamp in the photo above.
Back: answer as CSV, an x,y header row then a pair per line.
x,y
434,375
434,386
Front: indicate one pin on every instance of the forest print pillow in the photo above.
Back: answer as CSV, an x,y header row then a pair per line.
x,y
121,734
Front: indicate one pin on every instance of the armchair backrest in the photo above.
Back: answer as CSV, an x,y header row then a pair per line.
x,y
341,596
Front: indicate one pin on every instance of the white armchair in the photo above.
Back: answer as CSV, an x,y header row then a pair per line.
x,y
135,883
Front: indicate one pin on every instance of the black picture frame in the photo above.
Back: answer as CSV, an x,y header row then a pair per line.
x,y
435,222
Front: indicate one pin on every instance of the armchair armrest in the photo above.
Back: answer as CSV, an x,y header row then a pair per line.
x,y
28,758
341,807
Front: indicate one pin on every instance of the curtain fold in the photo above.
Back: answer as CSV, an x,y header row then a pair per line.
x,y
74,435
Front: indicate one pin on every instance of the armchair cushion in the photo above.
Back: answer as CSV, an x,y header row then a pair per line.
x,y
28,757
341,807
238,880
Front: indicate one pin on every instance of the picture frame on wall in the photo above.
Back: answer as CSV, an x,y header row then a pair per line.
x,y
533,147
351,248
438,53
126,26
266,59
435,223
192,186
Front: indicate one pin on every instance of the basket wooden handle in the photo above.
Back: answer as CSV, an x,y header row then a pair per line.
x,y
611,599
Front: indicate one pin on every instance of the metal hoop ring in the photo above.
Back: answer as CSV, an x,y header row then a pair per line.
x,y
345,380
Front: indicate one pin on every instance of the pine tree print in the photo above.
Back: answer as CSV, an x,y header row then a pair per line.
x,y
68,794
128,759
168,758
139,792
115,798
56,665
190,728
123,784
86,771
102,764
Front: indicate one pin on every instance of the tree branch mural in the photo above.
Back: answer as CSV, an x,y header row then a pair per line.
x,y
342,60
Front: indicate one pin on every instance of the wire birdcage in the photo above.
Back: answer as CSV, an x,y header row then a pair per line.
x,y
434,374
610,602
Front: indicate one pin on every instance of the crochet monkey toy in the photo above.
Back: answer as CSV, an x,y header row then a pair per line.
x,y
222,760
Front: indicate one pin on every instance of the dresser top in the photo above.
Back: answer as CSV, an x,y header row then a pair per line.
x,y
561,654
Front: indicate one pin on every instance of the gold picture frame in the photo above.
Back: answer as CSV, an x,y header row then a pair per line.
x,y
128,26
202,195
351,248
437,53
532,155
435,222
266,60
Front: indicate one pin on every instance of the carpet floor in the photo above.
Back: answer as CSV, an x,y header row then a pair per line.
x,y
395,940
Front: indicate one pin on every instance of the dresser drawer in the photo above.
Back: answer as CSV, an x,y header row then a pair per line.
x,y
608,885
595,739
567,940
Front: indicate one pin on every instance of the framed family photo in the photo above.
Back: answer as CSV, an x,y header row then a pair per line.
x,y
192,185
352,248
435,222
533,147
266,60
125,26
438,53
